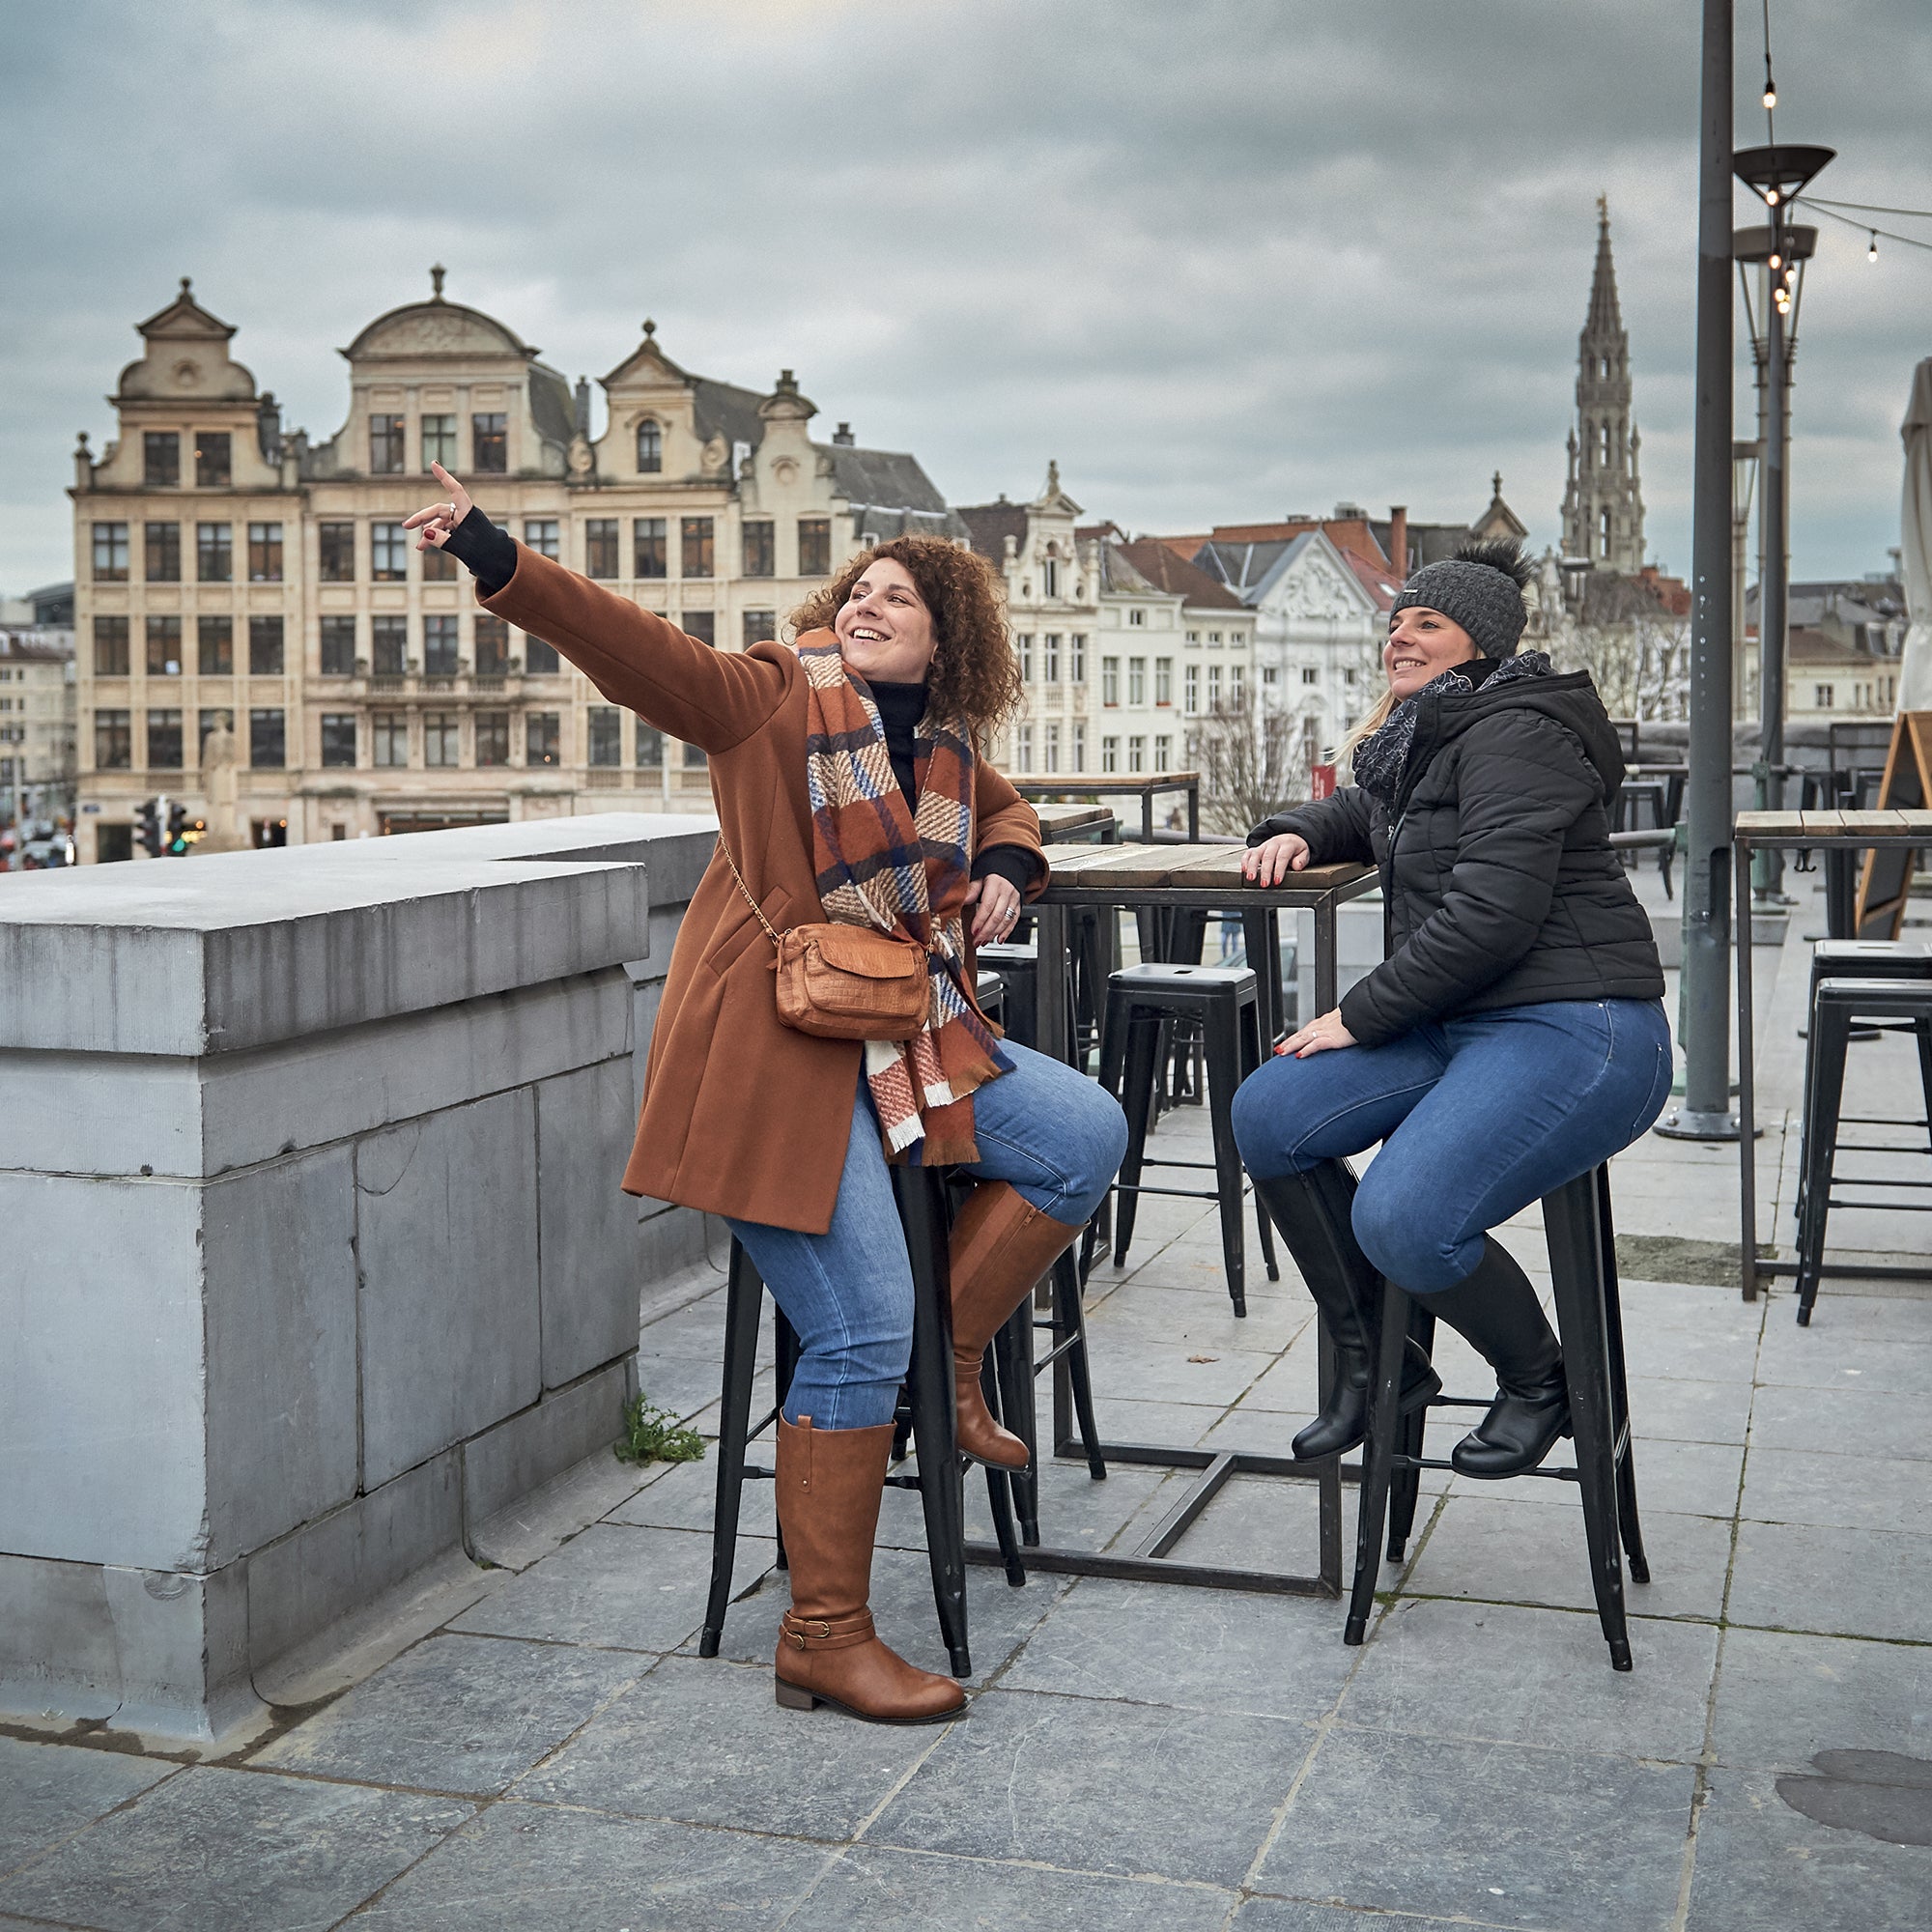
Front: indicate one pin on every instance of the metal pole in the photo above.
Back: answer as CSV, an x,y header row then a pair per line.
x,y
1704,1002
1771,583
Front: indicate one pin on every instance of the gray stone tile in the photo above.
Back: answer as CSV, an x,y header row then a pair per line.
x,y
1257,1522
705,1743
234,1850
999,1618
1676,1410
628,1589
1075,1510
1147,1371
1520,1552
1123,1419
1291,1915
1416,1677
1681,1478
685,1496
521,1867
1843,1323
1494,1833
1873,1423
1854,1491
1140,1312
1127,1788
456,1714
49,1792
1783,1698
1761,1863
871,1888
1692,1342
1853,1583
1201,1650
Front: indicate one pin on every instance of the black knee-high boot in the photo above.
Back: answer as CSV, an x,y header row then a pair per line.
x,y
1496,1311
1312,1211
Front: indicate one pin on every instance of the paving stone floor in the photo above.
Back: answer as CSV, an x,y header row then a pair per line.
x,y
1143,1758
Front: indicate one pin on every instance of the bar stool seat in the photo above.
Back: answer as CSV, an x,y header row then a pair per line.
x,y
1589,1321
1225,1002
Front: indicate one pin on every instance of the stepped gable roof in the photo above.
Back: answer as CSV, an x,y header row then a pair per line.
x,y
990,524
1166,571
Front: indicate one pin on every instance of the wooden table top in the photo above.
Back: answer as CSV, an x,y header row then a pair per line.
x,y
1116,784
1822,828
1059,821
1133,872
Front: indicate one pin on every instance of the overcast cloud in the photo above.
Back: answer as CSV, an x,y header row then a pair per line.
x,y
1223,259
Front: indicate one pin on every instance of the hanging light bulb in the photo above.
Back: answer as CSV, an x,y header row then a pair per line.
x,y
1871,253
1777,261
1770,93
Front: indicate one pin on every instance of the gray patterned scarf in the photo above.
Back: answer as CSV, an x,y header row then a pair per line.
x,y
1381,758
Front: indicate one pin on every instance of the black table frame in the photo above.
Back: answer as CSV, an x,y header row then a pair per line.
x,y
1123,784
1150,1562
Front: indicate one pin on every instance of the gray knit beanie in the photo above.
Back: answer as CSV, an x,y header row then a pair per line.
x,y
1480,587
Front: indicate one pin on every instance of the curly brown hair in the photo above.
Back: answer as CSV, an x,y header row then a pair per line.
x,y
975,675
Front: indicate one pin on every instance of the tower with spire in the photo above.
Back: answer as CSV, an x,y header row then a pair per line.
x,y
1603,502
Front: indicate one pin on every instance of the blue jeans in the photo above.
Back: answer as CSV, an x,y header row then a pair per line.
x,y
1477,1117
1049,1131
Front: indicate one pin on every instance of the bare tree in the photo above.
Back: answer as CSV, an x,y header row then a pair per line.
x,y
1638,654
1253,762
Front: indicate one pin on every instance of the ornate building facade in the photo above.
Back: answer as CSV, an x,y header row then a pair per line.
x,y
1602,500
229,572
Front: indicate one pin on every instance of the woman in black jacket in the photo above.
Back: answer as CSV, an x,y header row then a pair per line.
x,y
1515,1036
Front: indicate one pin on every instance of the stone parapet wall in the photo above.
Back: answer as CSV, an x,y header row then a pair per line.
x,y
316,1255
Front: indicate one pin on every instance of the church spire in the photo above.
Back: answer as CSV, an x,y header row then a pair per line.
x,y
1606,318
1602,505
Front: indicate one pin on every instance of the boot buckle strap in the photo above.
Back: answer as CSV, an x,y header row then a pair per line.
x,y
828,1632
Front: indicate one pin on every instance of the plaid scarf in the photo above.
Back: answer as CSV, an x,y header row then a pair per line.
x,y
881,864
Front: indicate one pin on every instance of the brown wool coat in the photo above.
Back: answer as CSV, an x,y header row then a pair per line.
x,y
742,1116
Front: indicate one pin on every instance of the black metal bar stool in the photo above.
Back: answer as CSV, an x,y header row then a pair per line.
x,y
926,1413
1589,1321
1900,1003
1225,1000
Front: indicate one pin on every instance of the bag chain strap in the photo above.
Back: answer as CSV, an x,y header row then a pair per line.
x,y
757,911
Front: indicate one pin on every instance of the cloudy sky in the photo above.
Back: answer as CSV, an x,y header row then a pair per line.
x,y
1223,259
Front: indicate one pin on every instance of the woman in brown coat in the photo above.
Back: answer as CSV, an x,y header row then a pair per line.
x,y
849,788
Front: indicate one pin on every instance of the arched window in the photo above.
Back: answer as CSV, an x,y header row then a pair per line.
x,y
1606,368
650,448
1606,533
1604,452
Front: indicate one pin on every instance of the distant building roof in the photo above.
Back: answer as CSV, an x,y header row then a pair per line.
x,y
890,495
990,524
1167,571
1355,535
1823,651
1381,582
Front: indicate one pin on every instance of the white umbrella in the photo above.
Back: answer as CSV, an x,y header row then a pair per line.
x,y
1915,674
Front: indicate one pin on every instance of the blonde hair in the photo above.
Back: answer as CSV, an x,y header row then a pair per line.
x,y
1378,714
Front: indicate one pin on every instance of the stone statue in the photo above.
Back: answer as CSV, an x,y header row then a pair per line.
x,y
220,786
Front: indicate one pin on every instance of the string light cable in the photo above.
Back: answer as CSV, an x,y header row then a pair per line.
x,y
1830,211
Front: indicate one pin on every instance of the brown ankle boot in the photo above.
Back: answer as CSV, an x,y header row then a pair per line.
x,y
829,1482
1002,1244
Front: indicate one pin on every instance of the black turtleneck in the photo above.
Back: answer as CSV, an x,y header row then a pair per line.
x,y
491,556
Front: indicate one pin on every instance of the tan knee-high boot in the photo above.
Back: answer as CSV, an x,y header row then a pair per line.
x,y
829,1483
1002,1244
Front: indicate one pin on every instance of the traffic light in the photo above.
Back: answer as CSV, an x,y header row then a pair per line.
x,y
148,825
178,830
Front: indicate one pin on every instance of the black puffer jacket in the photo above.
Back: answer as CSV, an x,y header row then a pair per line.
x,y
1502,887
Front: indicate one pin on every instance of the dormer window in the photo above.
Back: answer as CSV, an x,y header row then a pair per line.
x,y
650,448
1049,578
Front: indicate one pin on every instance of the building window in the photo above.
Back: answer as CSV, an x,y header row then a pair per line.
x,y
1607,532
814,545
390,730
388,553
759,627
265,552
649,550
650,448
701,625
493,737
111,552
1821,697
211,459
215,646
164,646
387,454
161,459
1076,655
542,737
1604,451
439,441
607,735
1137,753
1052,753
1049,658
113,740
1163,680
338,647
1025,642
490,445
1268,676
161,552
164,741
695,759
1349,676
388,646
1191,690
337,552
267,740
1235,694
1213,687
1023,748
110,647
1049,578
338,739
443,738
214,552
600,547
540,658
759,549
1194,636
1311,674
1163,752
1110,755
438,565
1137,680
440,647
1079,763
1110,680
1213,640
1137,618
492,649
540,534
694,548
650,747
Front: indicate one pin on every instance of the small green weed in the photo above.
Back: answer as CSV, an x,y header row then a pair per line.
x,y
653,1436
